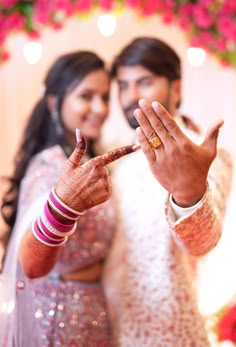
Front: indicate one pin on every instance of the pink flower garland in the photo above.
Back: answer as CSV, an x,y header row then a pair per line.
x,y
210,24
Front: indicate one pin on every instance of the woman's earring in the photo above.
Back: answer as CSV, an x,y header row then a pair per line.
x,y
57,122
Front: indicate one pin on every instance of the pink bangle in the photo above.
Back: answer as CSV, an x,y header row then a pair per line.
x,y
45,231
45,240
55,208
62,206
54,222
49,228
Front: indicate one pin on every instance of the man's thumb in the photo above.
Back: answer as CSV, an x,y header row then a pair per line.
x,y
80,148
210,141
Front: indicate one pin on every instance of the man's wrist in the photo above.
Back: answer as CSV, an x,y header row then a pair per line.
x,y
188,200
184,211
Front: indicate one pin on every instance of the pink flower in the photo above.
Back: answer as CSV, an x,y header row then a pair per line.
x,y
203,40
8,3
211,24
63,5
41,5
227,27
186,10
41,17
41,14
4,56
169,5
229,7
196,42
133,3
202,17
220,44
152,6
185,24
207,3
168,17
14,21
3,37
57,26
185,16
83,5
106,4
34,35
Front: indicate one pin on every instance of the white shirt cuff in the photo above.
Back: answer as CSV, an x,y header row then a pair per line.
x,y
184,211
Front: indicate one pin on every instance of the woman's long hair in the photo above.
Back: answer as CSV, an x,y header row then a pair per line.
x,y
41,132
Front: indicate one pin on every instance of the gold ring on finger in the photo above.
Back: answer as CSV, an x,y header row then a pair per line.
x,y
154,142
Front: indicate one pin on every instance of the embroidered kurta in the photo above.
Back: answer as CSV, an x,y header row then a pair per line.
x,y
148,276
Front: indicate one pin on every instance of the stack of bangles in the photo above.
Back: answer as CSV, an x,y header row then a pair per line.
x,y
48,230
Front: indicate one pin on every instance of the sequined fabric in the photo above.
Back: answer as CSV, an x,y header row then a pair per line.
x,y
70,314
148,277
65,313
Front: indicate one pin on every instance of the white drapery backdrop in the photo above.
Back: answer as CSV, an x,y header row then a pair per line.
x,y
208,94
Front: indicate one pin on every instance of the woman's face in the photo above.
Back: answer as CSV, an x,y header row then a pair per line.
x,y
86,106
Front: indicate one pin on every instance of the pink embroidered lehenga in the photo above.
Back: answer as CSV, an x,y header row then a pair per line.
x,y
49,311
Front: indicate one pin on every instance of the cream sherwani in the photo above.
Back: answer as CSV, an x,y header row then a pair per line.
x,y
148,276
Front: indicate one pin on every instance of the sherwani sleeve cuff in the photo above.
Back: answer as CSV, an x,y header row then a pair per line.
x,y
174,212
198,230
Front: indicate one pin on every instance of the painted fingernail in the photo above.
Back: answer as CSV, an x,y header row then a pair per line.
x,y
78,134
81,142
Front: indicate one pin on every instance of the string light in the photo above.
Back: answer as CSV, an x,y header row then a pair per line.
x,y
32,52
106,24
196,56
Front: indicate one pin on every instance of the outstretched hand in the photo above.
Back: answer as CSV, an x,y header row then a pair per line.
x,y
179,165
84,186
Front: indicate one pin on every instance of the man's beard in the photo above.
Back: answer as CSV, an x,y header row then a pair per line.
x,y
129,114
133,122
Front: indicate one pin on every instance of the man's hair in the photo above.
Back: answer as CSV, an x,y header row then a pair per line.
x,y
151,53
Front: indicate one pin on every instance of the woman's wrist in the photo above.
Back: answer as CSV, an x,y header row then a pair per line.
x,y
57,222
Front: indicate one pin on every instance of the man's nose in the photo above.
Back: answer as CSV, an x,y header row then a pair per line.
x,y
132,94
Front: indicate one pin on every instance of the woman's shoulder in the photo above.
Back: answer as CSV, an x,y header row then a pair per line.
x,y
52,157
54,153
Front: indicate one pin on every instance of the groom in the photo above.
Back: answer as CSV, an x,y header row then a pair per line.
x,y
172,198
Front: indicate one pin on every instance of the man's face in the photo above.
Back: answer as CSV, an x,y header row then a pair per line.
x,y
136,82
